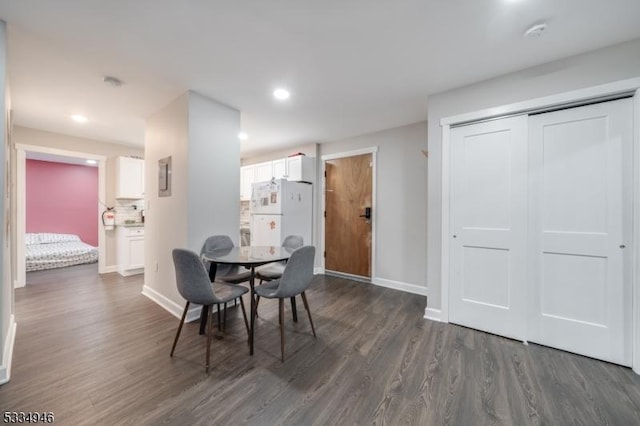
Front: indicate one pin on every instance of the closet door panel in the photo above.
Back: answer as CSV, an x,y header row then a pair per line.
x,y
488,226
580,289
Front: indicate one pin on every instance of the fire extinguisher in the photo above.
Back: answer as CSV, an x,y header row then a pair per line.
x,y
109,218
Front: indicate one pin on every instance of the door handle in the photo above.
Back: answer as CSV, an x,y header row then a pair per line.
x,y
367,213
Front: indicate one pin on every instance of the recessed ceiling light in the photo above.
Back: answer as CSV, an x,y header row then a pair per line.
x,y
281,94
79,118
243,136
92,162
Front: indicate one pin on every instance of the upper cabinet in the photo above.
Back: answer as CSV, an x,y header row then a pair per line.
x,y
264,171
297,168
300,168
129,178
247,177
279,168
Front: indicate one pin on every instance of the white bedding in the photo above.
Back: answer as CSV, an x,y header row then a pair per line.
x,y
47,251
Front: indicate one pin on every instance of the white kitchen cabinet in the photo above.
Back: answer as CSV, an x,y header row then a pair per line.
x,y
129,178
279,168
264,171
300,168
254,173
130,247
247,178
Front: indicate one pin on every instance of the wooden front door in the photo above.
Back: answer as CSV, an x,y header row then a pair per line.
x,y
348,190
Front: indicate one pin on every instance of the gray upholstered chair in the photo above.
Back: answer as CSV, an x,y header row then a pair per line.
x,y
295,280
195,287
232,274
273,271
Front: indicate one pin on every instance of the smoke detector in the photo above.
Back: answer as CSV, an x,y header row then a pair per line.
x,y
112,81
536,31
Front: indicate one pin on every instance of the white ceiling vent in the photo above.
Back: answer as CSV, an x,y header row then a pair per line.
x,y
536,31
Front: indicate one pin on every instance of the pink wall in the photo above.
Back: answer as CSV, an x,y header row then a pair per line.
x,y
62,198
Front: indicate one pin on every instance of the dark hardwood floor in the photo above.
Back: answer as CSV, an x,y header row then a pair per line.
x,y
95,351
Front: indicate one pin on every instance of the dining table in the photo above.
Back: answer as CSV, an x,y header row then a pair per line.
x,y
249,257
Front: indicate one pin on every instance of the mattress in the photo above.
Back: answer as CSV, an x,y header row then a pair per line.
x,y
48,251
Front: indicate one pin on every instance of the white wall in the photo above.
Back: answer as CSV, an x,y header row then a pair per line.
x,y
200,136
590,69
167,135
401,202
214,164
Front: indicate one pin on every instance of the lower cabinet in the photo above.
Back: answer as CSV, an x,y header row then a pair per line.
x,y
130,248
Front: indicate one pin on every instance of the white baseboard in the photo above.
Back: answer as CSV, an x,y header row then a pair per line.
x,y
17,284
433,314
398,285
347,276
7,355
318,270
170,306
130,272
382,282
110,269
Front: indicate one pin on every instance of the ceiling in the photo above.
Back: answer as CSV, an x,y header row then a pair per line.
x,y
352,67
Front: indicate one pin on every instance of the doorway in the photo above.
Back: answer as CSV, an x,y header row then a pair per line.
x,y
22,151
349,214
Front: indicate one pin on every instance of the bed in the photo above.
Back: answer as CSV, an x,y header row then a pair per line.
x,y
49,250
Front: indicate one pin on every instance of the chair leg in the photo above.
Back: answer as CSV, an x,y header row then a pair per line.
x,y
244,314
281,309
294,310
209,333
175,341
306,306
224,321
219,317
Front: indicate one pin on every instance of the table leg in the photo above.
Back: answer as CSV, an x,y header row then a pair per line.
x,y
203,318
294,310
253,308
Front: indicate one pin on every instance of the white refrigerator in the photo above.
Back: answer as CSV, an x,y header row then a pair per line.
x,y
279,208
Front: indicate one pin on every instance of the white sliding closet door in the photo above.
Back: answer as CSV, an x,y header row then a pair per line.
x,y
580,221
488,226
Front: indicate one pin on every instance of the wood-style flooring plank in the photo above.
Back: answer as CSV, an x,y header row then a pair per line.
x,y
93,350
